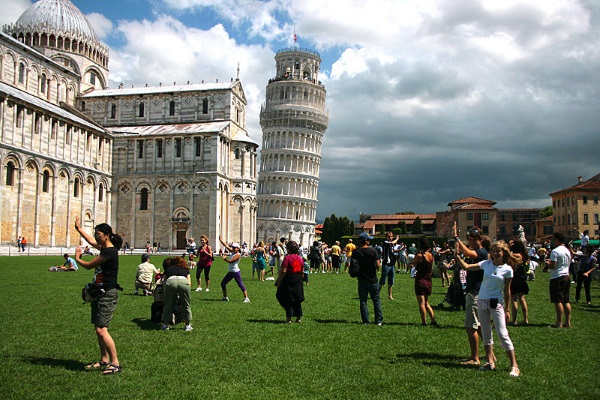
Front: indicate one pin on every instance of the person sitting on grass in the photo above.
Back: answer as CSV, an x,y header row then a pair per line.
x,y
234,270
69,265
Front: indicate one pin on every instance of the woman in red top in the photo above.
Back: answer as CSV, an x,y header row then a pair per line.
x,y
424,266
290,292
205,259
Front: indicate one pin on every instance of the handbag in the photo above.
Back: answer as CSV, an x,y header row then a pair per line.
x,y
91,292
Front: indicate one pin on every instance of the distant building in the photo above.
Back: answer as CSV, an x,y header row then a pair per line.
x,y
467,212
578,207
544,228
509,220
378,224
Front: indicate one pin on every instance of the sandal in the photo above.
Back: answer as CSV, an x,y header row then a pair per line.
x,y
96,365
514,372
112,369
488,366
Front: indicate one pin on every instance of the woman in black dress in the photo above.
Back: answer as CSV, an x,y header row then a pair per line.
x,y
518,286
423,263
290,292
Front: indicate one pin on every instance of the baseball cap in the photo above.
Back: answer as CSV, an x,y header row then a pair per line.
x,y
365,236
235,244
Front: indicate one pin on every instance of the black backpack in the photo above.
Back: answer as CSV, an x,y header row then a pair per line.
x,y
354,267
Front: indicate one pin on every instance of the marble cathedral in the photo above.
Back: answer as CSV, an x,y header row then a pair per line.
x,y
160,164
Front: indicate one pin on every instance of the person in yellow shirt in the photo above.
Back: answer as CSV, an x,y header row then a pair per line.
x,y
350,247
336,251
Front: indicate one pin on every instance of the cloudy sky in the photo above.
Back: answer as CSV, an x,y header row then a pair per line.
x,y
429,100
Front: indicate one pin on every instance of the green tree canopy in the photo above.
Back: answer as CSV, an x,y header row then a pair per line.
x,y
334,228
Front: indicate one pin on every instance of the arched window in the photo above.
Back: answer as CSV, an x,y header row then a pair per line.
x,y
46,182
100,193
205,106
76,185
172,108
43,83
141,110
10,173
113,111
144,199
236,152
21,73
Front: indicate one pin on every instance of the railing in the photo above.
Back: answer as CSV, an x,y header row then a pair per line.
x,y
301,49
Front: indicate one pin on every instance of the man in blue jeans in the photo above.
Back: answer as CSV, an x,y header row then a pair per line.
x,y
369,264
388,261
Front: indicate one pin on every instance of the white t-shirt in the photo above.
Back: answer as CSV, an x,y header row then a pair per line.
x,y
234,266
562,257
492,286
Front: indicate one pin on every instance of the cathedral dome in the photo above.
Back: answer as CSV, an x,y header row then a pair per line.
x,y
59,17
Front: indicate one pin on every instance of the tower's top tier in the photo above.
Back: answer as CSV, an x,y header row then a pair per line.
x,y
297,64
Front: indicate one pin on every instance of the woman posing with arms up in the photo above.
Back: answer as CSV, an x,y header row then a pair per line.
x,y
234,270
423,262
290,292
495,287
205,259
106,266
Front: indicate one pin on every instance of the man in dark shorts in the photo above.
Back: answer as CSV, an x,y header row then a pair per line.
x,y
560,260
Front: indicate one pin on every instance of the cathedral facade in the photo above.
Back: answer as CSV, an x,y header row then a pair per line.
x,y
160,164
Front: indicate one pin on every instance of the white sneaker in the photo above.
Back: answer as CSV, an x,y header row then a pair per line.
x,y
199,289
188,328
207,290
247,300
225,299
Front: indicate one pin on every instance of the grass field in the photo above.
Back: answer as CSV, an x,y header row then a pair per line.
x,y
243,351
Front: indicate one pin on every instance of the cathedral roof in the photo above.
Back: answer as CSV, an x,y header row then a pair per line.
x,y
150,90
56,17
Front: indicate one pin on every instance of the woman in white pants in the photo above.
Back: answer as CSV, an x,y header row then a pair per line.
x,y
495,287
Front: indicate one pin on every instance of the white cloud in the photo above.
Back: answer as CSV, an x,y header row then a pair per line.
x,y
102,25
11,10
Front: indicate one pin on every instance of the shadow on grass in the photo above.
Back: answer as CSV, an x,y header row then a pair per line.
x,y
145,324
442,360
70,365
336,321
267,321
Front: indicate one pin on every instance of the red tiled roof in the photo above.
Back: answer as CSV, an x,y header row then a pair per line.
x,y
474,206
399,217
592,184
472,199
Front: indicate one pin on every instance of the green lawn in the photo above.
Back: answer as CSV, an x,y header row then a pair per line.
x,y
243,351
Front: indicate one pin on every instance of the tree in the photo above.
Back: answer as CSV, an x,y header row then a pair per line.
x,y
546,212
402,227
417,226
334,228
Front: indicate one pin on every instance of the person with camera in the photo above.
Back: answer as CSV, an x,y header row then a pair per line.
x,y
368,285
106,266
495,287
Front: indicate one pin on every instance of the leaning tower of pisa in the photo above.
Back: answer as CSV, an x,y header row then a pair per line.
x,y
293,120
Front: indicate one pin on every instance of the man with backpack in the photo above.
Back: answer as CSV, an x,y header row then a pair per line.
x,y
368,265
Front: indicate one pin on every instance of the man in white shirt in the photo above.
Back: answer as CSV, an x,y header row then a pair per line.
x,y
144,275
560,259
